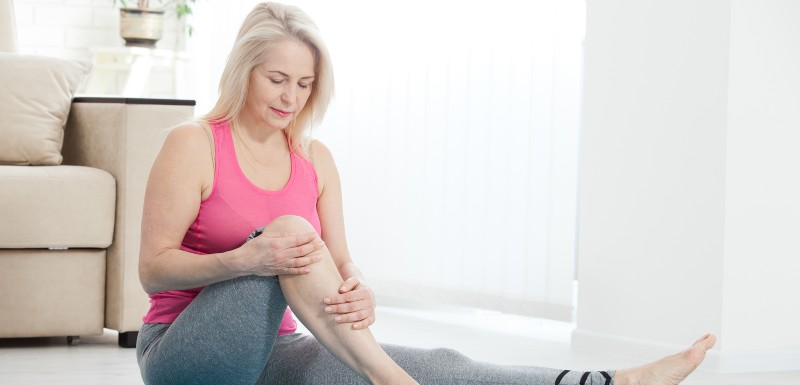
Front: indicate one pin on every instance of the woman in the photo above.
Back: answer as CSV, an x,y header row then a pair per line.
x,y
219,298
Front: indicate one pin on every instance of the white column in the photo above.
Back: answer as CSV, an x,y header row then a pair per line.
x,y
761,304
8,27
689,202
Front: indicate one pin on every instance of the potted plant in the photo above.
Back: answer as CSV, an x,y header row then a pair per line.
x,y
143,26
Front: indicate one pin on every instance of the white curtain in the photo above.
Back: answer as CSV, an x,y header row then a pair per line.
x,y
455,130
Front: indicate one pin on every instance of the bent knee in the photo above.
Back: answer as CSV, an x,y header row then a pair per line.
x,y
448,355
289,224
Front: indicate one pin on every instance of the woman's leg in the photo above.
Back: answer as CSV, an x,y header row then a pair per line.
x,y
356,348
224,336
427,366
299,359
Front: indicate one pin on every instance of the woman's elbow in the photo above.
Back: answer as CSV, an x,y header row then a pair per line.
x,y
146,279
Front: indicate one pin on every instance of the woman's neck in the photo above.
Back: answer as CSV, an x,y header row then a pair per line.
x,y
255,135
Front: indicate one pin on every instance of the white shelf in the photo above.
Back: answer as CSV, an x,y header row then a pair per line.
x,y
128,72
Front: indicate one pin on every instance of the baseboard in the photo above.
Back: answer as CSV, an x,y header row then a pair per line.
x,y
716,361
754,362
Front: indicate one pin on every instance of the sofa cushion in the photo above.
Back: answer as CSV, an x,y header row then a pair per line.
x,y
56,207
35,97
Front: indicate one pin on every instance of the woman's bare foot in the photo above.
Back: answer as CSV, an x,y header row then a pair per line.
x,y
670,370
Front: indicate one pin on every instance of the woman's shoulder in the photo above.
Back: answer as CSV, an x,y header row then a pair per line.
x,y
191,142
320,152
324,165
189,131
189,136
188,153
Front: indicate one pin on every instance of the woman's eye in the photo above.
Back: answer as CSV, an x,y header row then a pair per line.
x,y
276,81
303,85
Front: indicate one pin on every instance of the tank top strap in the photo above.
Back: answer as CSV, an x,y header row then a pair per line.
x,y
223,149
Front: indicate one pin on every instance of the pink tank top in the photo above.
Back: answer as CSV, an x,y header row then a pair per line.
x,y
231,212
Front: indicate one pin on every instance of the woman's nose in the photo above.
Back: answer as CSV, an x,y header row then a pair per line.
x,y
288,94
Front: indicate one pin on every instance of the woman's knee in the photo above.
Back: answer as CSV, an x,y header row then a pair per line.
x,y
411,357
447,355
289,224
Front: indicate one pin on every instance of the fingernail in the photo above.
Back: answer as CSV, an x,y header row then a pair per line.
x,y
326,300
337,319
343,288
356,326
328,309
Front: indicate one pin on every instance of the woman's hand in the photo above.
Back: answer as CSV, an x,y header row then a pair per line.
x,y
355,303
277,253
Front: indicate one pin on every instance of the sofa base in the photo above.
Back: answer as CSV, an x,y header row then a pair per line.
x,y
128,339
46,293
122,136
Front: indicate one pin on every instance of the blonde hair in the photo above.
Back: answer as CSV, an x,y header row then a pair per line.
x,y
267,25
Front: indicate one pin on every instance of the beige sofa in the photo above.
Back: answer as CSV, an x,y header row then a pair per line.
x,y
72,178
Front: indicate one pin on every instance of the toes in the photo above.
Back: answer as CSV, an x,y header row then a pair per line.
x,y
697,353
708,341
701,339
711,341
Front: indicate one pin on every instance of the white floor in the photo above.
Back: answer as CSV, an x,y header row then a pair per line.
x,y
482,335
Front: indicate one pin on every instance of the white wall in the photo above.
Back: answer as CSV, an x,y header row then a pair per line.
x,y
69,28
65,28
652,163
457,147
688,202
762,252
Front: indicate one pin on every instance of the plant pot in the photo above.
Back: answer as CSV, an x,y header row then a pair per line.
x,y
141,27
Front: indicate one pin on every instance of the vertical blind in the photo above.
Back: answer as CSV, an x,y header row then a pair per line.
x,y
455,131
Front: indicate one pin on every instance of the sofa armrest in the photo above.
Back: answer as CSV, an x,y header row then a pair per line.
x,y
122,136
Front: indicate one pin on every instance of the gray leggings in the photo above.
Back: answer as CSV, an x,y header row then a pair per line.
x,y
229,335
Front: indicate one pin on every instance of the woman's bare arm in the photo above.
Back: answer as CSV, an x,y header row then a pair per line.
x,y
181,176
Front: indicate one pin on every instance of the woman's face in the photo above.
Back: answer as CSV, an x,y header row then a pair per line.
x,y
279,87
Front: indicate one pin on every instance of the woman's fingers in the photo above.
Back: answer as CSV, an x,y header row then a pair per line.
x,y
295,240
295,270
279,253
365,323
299,265
304,261
350,284
350,312
301,250
352,296
357,311
353,317
285,240
355,305
346,308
